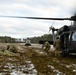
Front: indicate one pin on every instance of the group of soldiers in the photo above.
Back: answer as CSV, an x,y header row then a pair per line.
x,y
9,50
56,44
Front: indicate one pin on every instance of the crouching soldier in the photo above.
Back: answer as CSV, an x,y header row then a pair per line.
x,y
46,46
12,49
57,45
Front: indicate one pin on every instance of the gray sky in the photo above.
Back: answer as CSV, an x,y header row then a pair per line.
x,y
22,28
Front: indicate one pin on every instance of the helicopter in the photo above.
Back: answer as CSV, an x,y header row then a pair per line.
x,y
27,43
67,34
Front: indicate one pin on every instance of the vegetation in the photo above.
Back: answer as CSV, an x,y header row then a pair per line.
x,y
43,37
6,39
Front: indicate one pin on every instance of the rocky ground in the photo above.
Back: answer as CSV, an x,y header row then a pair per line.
x,y
32,60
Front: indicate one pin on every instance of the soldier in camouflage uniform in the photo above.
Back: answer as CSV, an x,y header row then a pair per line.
x,y
12,49
46,46
8,46
57,44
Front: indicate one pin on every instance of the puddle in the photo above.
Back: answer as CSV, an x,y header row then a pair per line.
x,y
55,71
17,67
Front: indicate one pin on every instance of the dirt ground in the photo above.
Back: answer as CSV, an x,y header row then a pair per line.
x,y
35,61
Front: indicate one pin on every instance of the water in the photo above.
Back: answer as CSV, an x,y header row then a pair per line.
x,y
14,66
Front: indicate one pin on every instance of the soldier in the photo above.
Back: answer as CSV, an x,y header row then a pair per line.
x,y
13,49
46,46
8,46
57,44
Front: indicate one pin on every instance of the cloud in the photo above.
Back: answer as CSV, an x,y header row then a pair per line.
x,y
40,8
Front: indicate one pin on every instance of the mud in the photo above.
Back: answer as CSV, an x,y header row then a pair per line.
x,y
35,61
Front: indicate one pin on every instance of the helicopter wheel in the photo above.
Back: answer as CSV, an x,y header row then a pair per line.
x,y
64,53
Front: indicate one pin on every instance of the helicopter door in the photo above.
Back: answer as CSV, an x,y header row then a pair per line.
x,y
65,40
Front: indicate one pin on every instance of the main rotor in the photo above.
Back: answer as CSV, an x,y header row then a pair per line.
x,y
73,18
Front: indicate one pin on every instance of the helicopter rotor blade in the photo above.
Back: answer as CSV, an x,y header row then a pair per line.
x,y
72,18
47,18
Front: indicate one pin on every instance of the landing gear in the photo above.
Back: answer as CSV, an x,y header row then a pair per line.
x,y
64,53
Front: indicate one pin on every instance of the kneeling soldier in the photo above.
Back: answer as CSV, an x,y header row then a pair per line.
x,y
46,46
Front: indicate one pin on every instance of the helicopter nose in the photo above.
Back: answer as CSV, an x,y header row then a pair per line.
x,y
73,18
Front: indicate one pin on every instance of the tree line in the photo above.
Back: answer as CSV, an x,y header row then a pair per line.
x,y
43,37
6,39
36,39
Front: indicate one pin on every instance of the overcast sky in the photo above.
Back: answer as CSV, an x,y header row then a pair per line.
x,y
23,28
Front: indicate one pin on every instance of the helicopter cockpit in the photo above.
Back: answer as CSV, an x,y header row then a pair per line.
x,y
74,36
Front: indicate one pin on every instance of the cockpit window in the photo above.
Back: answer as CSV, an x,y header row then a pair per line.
x,y
74,36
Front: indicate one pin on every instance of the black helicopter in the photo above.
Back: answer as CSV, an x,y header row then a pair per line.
x,y
67,34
